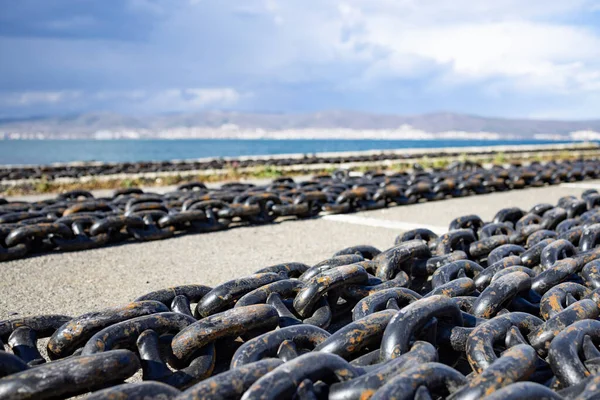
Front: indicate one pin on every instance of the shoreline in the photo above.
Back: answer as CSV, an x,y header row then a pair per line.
x,y
24,180
334,154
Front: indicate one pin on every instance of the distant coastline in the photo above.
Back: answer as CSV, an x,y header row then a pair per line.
x,y
236,133
333,125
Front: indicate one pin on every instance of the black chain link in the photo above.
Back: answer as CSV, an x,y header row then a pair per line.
x,y
76,171
78,221
501,309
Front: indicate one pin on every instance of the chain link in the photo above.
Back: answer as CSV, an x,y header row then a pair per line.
x,y
77,221
77,171
501,309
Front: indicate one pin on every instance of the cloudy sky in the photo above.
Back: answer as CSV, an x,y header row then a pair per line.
x,y
513,58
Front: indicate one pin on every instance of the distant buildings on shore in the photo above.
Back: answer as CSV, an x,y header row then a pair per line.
x,y
231,131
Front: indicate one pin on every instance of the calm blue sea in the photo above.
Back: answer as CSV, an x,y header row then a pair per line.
x,y
52,151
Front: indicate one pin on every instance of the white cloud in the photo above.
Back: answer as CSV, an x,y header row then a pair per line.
x,y
190,99
166,100
540,55
174,98
119,94
32,98
519,45
502,57
203,97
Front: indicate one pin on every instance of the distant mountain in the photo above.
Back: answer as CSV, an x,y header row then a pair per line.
x,y
327,123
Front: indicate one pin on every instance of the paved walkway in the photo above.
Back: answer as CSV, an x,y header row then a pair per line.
x,y
78,282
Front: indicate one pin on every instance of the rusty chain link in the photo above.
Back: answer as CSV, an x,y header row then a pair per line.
x,y
501,309
77,221
79,170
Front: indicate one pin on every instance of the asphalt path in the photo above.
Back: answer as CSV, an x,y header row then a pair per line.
x,y
79,282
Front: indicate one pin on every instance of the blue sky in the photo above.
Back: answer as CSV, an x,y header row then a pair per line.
x,y
512,58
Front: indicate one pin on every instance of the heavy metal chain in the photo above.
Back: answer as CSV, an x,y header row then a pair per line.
x,y
75,171
501,309
78,221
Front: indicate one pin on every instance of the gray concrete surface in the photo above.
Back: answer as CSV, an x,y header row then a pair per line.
x,y
79,282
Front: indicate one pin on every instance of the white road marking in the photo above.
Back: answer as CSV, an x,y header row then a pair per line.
x,y
382,223
581,185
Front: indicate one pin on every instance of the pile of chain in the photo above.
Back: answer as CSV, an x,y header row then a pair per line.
x,y
77,221
506,309
51,172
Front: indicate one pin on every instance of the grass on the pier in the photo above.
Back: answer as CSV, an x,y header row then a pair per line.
x,y
46,185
